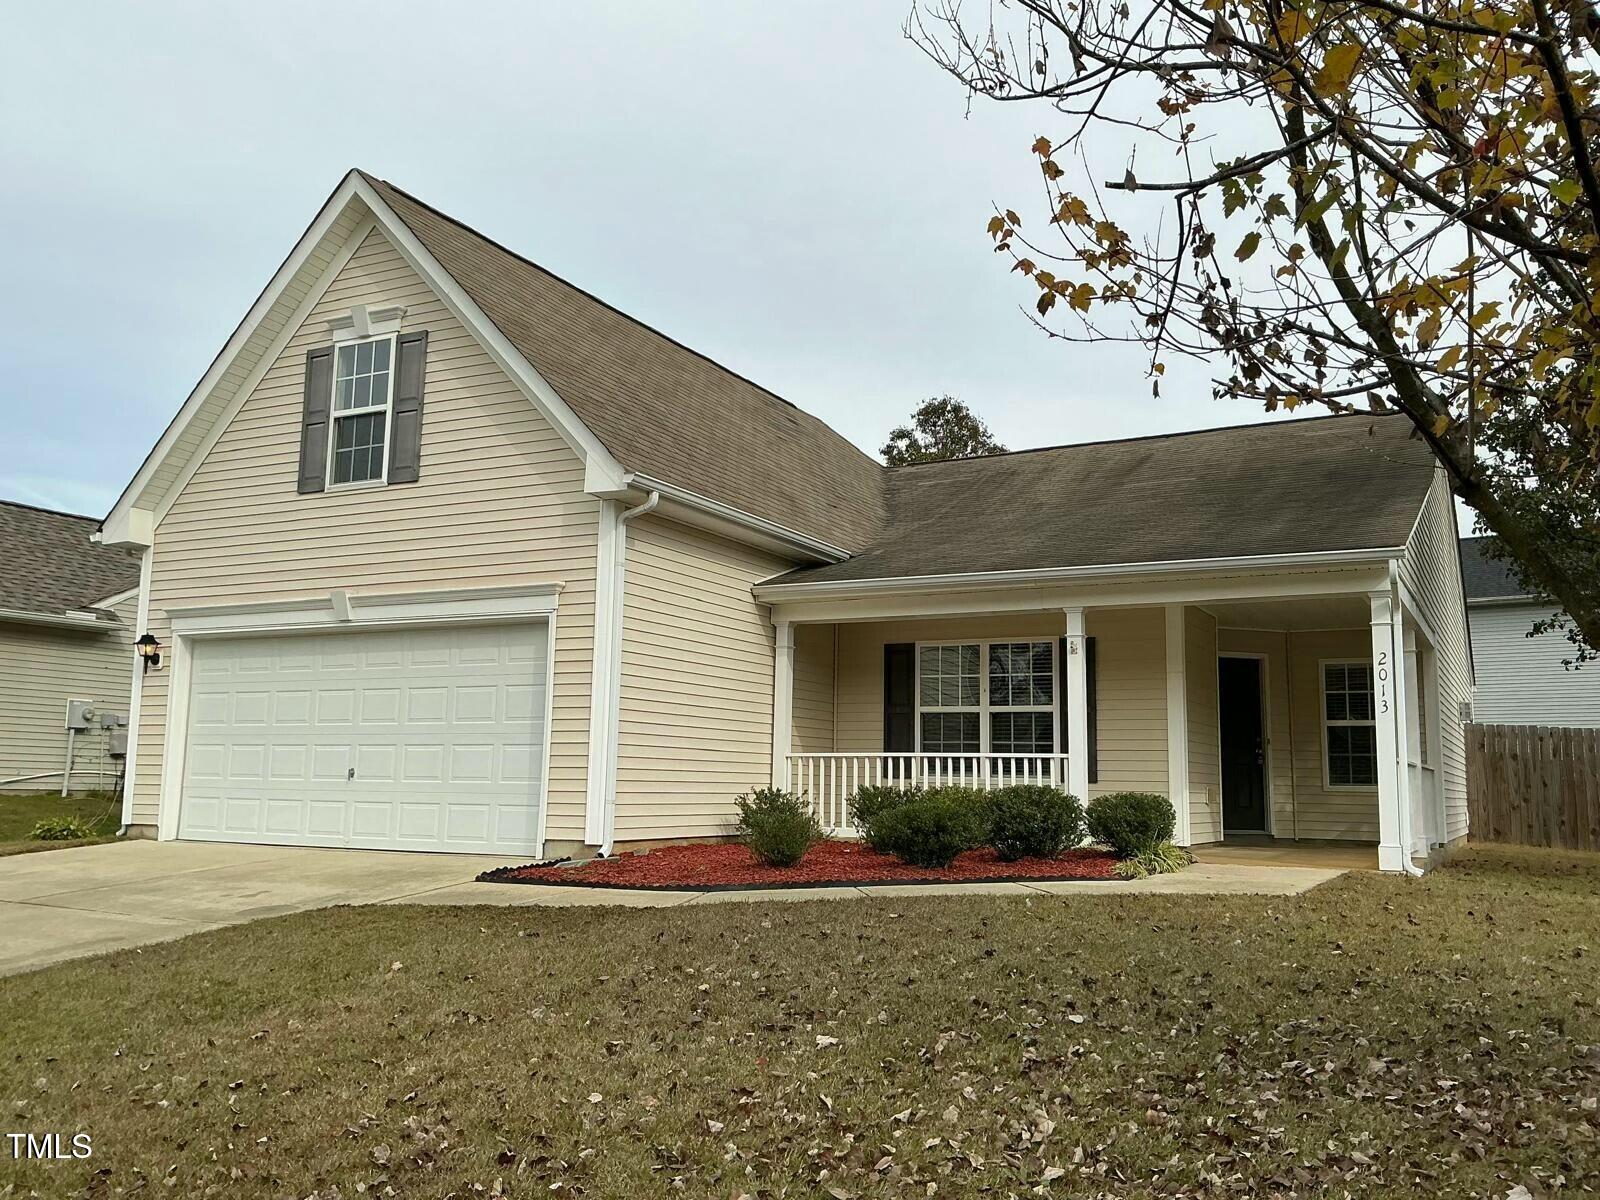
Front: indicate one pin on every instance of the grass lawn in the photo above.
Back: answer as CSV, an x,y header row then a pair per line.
x,y
19,811
1376,1036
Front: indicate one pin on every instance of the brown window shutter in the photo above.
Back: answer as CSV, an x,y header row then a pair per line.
x,y
899,698
314,419
405,455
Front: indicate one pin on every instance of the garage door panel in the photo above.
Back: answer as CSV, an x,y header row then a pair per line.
x,y
444,730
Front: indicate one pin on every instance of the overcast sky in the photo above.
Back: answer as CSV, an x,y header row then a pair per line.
x,y
791,189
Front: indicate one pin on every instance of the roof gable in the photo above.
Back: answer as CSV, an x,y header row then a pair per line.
x,y
51,565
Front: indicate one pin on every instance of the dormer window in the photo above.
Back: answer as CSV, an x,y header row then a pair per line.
x,y
363,393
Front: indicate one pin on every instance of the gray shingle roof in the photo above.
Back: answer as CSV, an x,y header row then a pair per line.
x,y
1485,578
665,411
658,407
1329,483
52,567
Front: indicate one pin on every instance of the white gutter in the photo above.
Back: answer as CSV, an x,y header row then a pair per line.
x,y
782,533
850,588
66,620
614,677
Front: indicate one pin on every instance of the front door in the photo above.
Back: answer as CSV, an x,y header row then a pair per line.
x,y
1244,787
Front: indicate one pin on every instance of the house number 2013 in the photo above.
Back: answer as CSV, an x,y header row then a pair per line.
x,y
1383,681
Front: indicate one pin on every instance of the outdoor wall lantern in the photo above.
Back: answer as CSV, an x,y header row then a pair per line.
x,y
149,650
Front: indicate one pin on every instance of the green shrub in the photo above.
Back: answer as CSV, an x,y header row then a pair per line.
x,y
1161,860
1033,820
1131,822
871,801
931,828
778,826
61,829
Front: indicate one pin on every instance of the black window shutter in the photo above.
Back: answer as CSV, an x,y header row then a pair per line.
x,y
314,419
1089,683
405,455
899,698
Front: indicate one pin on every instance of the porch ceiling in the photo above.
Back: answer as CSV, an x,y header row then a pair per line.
x,y
1308,612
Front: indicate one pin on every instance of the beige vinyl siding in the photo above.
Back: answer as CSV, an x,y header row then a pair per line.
x,y
1205,758
500,502
813,689
696,695
1318,811
1430,570
1130,672
40,670
1130,648
1273,647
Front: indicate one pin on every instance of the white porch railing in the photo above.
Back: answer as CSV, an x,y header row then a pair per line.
x,y
829,780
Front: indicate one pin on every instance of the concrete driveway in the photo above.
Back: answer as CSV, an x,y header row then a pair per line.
x,y
62,904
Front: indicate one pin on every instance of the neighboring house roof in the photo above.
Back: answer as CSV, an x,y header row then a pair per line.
x,y
1287,487
51,566
1485,578
661,409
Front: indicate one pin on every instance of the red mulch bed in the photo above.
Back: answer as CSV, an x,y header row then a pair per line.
x,y
726,865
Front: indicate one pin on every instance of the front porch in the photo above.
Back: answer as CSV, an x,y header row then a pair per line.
x,y
1274,722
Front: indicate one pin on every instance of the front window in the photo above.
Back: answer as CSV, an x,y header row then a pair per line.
x,y
987,697
362,391
1349,724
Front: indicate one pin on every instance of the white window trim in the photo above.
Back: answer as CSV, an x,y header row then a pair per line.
x,y
1322,695
984,709
386,408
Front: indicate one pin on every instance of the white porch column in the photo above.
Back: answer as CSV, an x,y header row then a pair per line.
x,y
1178,721
782,701
1077,699
1391,773
1416,791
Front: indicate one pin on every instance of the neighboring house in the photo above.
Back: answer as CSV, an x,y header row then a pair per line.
x,y
67,608
448,554
1521,680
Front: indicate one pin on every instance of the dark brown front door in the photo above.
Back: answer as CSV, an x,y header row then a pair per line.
x,y
1244,785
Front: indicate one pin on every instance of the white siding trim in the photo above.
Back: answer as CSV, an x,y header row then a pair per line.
x,y
368,610
136,696
607,619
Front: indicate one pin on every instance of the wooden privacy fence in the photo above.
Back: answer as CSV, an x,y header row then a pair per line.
x,y
1534,785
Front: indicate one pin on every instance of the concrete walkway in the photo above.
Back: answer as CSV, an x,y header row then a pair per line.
x,y
64,904
1202,879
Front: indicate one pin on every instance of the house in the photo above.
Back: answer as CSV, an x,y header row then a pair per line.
x,y
67,609
1521,679
445,553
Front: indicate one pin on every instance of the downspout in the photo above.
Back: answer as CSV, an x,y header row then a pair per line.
x,y
1402,736
614,682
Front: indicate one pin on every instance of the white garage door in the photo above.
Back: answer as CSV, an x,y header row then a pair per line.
x,y
415,739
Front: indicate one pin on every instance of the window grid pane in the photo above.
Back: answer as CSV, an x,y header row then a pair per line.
x,y
950,677
950,733
358,444
1022,733
361,376
1351,732
1021,674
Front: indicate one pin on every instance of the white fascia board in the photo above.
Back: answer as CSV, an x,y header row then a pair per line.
x,y
124,525
771,535
842,589
596,458
1502,601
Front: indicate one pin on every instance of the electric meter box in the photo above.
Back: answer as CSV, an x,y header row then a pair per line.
x,y
80,714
